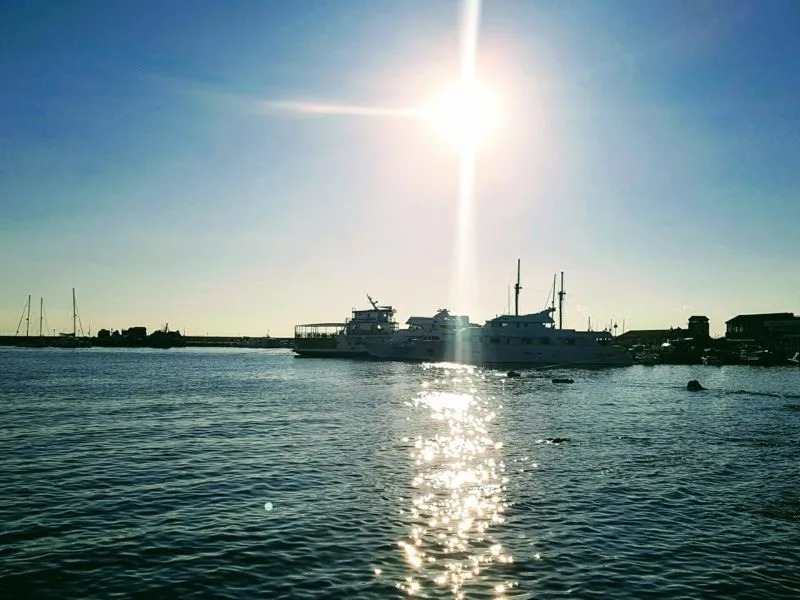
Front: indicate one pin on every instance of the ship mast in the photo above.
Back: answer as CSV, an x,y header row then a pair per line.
x,y
25,310
41,314
517,288
373,302
74,315
561,295
28,317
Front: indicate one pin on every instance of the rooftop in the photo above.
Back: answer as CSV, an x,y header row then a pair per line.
x,y
761,317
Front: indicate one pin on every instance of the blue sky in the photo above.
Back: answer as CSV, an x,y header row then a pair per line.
x,y
149,158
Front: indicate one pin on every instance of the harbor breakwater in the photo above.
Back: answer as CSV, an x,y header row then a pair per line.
x,y
197,341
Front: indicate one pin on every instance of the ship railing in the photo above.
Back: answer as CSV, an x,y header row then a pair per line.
x,y
390,326
318,330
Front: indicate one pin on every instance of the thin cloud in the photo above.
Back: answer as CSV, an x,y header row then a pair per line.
x,y
322,108
252,104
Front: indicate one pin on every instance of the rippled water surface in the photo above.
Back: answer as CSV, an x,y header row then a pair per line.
x,y
252,474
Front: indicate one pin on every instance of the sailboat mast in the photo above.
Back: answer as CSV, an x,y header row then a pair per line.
x,y
517,288
74,315
561,295
41,314
28,317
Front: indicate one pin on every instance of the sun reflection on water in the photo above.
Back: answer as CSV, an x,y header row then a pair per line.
x,y
458,491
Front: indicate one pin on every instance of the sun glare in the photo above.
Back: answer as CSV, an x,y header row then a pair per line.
x,y
467,113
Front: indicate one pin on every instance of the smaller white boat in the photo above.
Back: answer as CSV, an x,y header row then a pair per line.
x,y
425,338
648,358
348,339
712,360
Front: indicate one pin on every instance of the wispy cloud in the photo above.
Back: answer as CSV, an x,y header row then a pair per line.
x,y
228,100
323,108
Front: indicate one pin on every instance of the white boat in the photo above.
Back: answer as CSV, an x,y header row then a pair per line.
x,y
424,337
511,340
712,359
648,358
348,339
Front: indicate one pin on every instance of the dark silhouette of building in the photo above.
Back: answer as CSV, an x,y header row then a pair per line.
x,y
135,333
649,337
697,330
775,331
698,327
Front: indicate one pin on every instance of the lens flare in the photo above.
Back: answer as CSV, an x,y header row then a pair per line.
x,y
467,113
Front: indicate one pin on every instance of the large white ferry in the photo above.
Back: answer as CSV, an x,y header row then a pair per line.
x,y
509,340
348,339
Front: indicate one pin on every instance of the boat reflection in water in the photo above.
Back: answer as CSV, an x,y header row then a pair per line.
x,y
458,495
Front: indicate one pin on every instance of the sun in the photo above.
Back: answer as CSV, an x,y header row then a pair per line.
x,y
466,113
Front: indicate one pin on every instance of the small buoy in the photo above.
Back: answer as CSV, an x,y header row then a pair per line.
x,y
562,380
513,374
268,506
694,386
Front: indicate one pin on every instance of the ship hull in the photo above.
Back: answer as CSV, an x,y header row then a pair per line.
x,y
318,353
511,356
341,346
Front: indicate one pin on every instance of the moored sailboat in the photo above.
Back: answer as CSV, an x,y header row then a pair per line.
x,y
71,340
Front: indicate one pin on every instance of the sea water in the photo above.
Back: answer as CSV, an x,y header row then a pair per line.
x,y
253,474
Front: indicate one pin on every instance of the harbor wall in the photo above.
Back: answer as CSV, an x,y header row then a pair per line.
x,y
197,341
